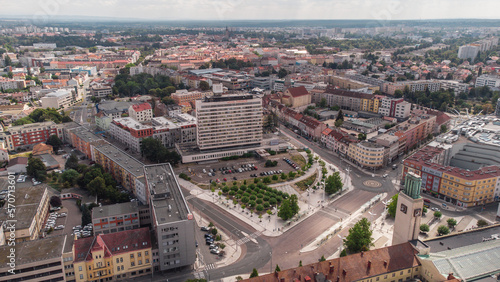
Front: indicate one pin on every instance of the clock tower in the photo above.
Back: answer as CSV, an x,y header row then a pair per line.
x,y
408,211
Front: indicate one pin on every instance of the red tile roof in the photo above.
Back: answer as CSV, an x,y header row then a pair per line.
x,y
18,160
298,91
112,244
350,268
141,107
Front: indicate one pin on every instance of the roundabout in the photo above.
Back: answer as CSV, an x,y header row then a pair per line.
x,y
372,183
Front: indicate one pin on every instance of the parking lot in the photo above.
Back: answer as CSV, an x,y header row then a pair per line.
x,y
73,218
237,169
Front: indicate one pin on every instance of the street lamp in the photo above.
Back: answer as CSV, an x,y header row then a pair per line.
x,y
271,266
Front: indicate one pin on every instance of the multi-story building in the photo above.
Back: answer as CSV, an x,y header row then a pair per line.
x,y
126,170
367,154
113,257
461,187
262,82
488,80
32,206
37,260
84,141
141,112
456,86
172,221
345,82
61,98
115,218
101,91
27,135
394,107
413,86
468,51
6,84
229,121
296,97
129,132
413,131
183,96
350,100
179,129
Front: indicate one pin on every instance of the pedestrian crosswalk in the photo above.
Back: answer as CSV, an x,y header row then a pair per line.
x,y
210,266
199,275
248,238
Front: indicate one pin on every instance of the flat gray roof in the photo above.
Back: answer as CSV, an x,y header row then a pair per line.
x,y
114,210
27,201
167,199
86,135
121,158
33,251
461,239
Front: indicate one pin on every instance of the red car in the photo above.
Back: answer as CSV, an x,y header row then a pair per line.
x,y
427,200
225,179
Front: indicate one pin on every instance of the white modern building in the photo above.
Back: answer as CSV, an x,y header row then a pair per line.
x,y
231,121
457,87
488,80
61,98
468,52
129,132
141,112
394,107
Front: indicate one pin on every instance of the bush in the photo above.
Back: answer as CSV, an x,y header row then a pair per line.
x,y
482,223
424,227
451,222
184,176
270,163
443,230
275,177
437,214
55,201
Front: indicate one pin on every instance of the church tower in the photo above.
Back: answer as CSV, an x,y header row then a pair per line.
x,y
408,211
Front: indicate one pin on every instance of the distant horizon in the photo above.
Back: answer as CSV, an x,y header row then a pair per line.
x,y
229,10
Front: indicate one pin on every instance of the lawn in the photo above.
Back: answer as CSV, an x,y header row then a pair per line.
x,y
299,160
306,182
23,154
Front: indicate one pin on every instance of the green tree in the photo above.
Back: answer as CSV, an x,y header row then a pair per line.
x,y
71,162
86,215
322,258
277,269
482,223
285,210
36,169
424,228
438,214
204,86
333,183
55,201
55,142
254,273
70,176
361,136
451,222
338,123
323,103
444,128
300,263
391,208
359,238
443,230
282,73
97,186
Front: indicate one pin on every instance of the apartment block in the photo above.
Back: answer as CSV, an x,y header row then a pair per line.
x,y
141,112
456,86
129,132
125,169
115,218
172,221
461,187
113,257
350,100
84,141
345,82
183,96
32,205
60,98
101,91
488,80
394,107
27,135
229,121
468,51
413,131
367,154
37,260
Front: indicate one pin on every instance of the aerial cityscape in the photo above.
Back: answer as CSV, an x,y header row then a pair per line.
x,y
250,141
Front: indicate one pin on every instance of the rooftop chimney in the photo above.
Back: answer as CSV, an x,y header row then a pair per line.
x,y
385,263
344,272
369,264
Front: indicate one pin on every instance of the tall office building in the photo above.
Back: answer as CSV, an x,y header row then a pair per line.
x,y
227,122
408,211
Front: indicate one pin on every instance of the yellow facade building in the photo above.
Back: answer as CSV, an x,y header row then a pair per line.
x,y
366,154
113,257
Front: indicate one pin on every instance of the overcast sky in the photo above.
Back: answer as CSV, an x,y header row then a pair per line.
x,y
257,9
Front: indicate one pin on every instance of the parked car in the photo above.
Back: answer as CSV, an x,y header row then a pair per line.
x,y
204,228
213,251
427,200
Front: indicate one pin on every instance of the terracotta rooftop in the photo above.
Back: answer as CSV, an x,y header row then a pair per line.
x,y
141,107
18,160
112,244
41,148
350,268
298,91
